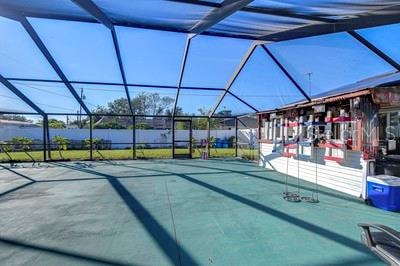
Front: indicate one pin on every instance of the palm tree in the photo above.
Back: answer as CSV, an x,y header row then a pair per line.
x,y
95,144
25,144
62,143
5,147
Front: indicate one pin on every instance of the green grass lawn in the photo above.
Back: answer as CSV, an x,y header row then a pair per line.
x,y
120,154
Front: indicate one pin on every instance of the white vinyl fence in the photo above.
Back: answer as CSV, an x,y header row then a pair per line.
x,y
125,135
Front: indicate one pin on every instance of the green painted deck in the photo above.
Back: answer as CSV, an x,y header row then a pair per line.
x,y
182,212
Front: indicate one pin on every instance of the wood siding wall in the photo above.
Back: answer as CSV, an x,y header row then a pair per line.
x,y
346,177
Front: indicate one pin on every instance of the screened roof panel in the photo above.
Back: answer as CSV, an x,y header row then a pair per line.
x,y
46,7
152,101
100,98
230,106
51,97
84,51
20,57
183,16
263,85
154,12
211,61
197,102
254,24
146,52
327,62
9,102
386,38
338,8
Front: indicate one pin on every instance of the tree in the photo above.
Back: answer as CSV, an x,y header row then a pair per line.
x,y
119,106
151,104
54,123
62,144
112,123
24,143
5,147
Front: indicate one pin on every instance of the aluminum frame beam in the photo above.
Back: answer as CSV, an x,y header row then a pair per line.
x,y
325,27
182,71
95,11
381,17
11,14
242,101
115,84
375,49
287,74
22,96
42,47
240,67
262,10
121,68
228,7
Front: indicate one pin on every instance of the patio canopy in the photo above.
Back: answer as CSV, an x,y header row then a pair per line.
x,y
203,58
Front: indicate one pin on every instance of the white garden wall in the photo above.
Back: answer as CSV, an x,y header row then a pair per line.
x,y
124,135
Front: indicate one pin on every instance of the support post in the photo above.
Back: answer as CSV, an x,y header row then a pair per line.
x,y
173,136
91,136
48,138
236,137
44,138
190,140
208,135
134,136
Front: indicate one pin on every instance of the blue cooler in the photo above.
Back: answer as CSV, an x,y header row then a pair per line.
x,y
384,192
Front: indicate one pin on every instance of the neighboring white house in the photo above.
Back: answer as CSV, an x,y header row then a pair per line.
x,y
13,124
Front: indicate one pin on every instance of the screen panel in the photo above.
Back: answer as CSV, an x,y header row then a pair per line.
x,y
385,38
83,51
262,84
339,9
105,99
257,25
327,62
212,61
21,138
145,52
230,106
20,57
196,102
154,12
112,137
46,7
153,137
51,97
152,101
9,102
69,137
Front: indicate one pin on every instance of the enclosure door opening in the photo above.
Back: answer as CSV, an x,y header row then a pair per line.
x,y
182,139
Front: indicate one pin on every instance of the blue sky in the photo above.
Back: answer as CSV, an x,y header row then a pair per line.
x,y
85,52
